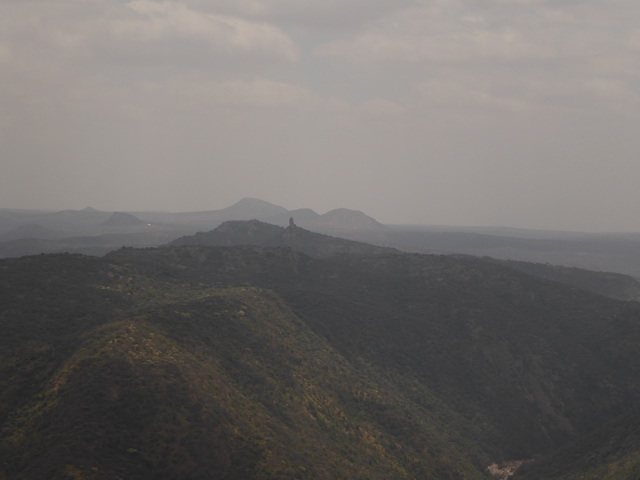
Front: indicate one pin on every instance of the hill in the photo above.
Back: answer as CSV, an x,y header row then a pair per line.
x,y
609,284
123,220
30,230
90,245
91,231
254,232
612,452
258,233
245,209
608,252
337,221
345,219
263,362
109,370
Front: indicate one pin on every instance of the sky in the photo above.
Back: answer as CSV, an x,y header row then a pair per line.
x,y
520,113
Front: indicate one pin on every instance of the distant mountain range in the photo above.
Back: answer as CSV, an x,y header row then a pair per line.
x,y
91,231
30,230
341,219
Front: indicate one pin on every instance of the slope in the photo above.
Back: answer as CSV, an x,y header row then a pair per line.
x,y
259,233
526,364
132,376
610,453
262,362
609,284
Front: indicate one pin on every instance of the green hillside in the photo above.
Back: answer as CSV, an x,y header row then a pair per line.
x,y
264,363
612,452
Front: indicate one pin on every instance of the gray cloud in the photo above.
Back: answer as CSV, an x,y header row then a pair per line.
x,y
331,15
511,112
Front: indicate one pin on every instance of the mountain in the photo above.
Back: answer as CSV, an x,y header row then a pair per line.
x,y
250,208
335,221
86,231
611,452
614,285
7,222
30,230
74,222
258,233
123,220
609,252
344,219
220,383
339,221
254,232
255,362
245,209
251,232
303,216
88,245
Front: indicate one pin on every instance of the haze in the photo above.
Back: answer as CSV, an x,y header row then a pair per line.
x,y
461,112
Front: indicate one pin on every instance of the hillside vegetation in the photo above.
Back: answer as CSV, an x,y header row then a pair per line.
x,y
609,284
265,363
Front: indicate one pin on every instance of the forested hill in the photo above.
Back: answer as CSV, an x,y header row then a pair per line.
x,y
609,284
252,362
255,232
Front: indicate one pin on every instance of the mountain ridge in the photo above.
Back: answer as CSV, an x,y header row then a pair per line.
x,y
599,252
358,366
255,232
123,220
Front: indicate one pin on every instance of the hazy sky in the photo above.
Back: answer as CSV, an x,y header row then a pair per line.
x,y
463,112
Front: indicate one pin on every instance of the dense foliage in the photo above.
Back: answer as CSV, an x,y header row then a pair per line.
x,y
192,362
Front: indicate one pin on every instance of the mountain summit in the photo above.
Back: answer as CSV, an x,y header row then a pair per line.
x,y
122,219
255,232
346,219
250,208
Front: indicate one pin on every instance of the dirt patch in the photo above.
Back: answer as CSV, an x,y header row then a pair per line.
x,y
505,471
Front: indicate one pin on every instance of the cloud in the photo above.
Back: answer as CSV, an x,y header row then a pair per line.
x,y
197,93
140,31
172,28
445,99
452,31
71,55
633,40
463,97
382,107
328,15
505,54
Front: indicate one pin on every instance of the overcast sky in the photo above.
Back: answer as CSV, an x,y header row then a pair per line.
x,y
459,112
